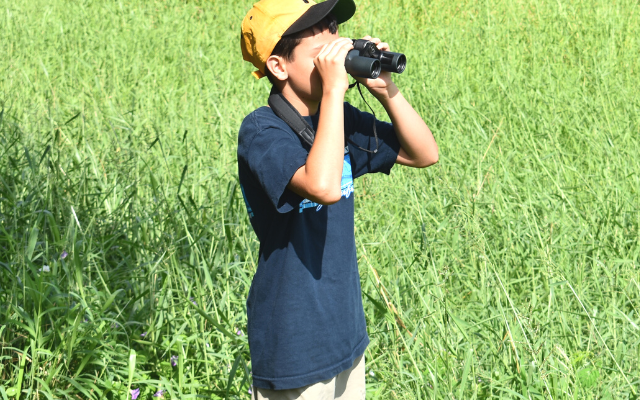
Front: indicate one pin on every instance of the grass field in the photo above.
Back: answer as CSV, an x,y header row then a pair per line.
x,y
509,270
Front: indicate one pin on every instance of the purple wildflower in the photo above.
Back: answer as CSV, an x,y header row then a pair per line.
x,y
193,301
174,361
239,332
134,393
159,393
250,392
63,255
143,335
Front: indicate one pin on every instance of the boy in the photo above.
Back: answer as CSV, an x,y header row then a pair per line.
x,y
306,324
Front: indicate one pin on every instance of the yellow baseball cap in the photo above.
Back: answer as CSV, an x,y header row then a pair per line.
x,y
269,20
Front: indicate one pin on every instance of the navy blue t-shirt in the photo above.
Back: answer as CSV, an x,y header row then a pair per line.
x,y
305,317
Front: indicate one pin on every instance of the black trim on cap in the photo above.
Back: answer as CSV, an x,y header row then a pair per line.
x,y
342,9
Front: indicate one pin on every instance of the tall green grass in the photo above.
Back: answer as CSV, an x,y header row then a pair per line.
x,y
508,270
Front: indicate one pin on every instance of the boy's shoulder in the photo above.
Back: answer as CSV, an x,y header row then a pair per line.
x,y
259,119
256,122
264,117
263,121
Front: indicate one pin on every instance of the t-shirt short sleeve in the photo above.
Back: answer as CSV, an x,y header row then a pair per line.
x,y
359,124
273,156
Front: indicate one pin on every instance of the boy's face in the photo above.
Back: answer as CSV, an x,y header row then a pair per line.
x,y
303,77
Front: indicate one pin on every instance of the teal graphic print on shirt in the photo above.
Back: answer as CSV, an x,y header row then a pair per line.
x,y
346,184
246,202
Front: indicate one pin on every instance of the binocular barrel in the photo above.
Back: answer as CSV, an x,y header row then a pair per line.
x,y
393,62
359,62
363,67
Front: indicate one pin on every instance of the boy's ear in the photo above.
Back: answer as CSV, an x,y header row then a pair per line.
x,y
278,67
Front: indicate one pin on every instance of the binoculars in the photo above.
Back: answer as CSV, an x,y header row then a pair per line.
x,y
365,60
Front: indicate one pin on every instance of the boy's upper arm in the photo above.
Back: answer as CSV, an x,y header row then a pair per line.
x,y
273,157
404,159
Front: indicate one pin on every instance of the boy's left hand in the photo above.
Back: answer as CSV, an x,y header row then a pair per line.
x,y
383,86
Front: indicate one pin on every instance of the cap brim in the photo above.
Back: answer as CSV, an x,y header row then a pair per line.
x,y
341,9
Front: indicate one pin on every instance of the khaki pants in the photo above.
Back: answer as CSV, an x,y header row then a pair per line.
x,y
347,385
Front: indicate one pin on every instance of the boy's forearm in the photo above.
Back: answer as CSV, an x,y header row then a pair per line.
x,y
327,153
418,146
322,172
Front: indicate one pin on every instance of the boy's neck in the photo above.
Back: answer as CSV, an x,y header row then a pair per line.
x,y
305,107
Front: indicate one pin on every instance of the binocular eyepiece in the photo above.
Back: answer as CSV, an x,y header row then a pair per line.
x,y
365,60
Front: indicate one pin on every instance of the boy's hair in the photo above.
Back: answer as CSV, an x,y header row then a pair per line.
x,y
284,48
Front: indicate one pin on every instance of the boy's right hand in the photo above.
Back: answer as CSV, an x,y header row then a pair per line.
x,y
330,65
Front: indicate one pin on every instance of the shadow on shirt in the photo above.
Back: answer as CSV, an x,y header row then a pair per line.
x,y
306,242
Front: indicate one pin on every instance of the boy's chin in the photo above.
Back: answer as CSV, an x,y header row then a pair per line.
x,y
312,93
316,94
316,97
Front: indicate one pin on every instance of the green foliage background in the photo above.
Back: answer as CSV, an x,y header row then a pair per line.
x,y
508,270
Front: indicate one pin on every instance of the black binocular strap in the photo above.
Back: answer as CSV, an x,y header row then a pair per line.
x,y
287,112
375,133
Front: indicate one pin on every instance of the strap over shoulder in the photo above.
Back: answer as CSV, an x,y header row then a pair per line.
x,y
287,112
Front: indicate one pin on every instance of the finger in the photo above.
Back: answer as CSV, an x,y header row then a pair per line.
x,y
375,40
346,42
344,50
364,81
383,46
367,37
341,46
331,48
321,54
326,49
